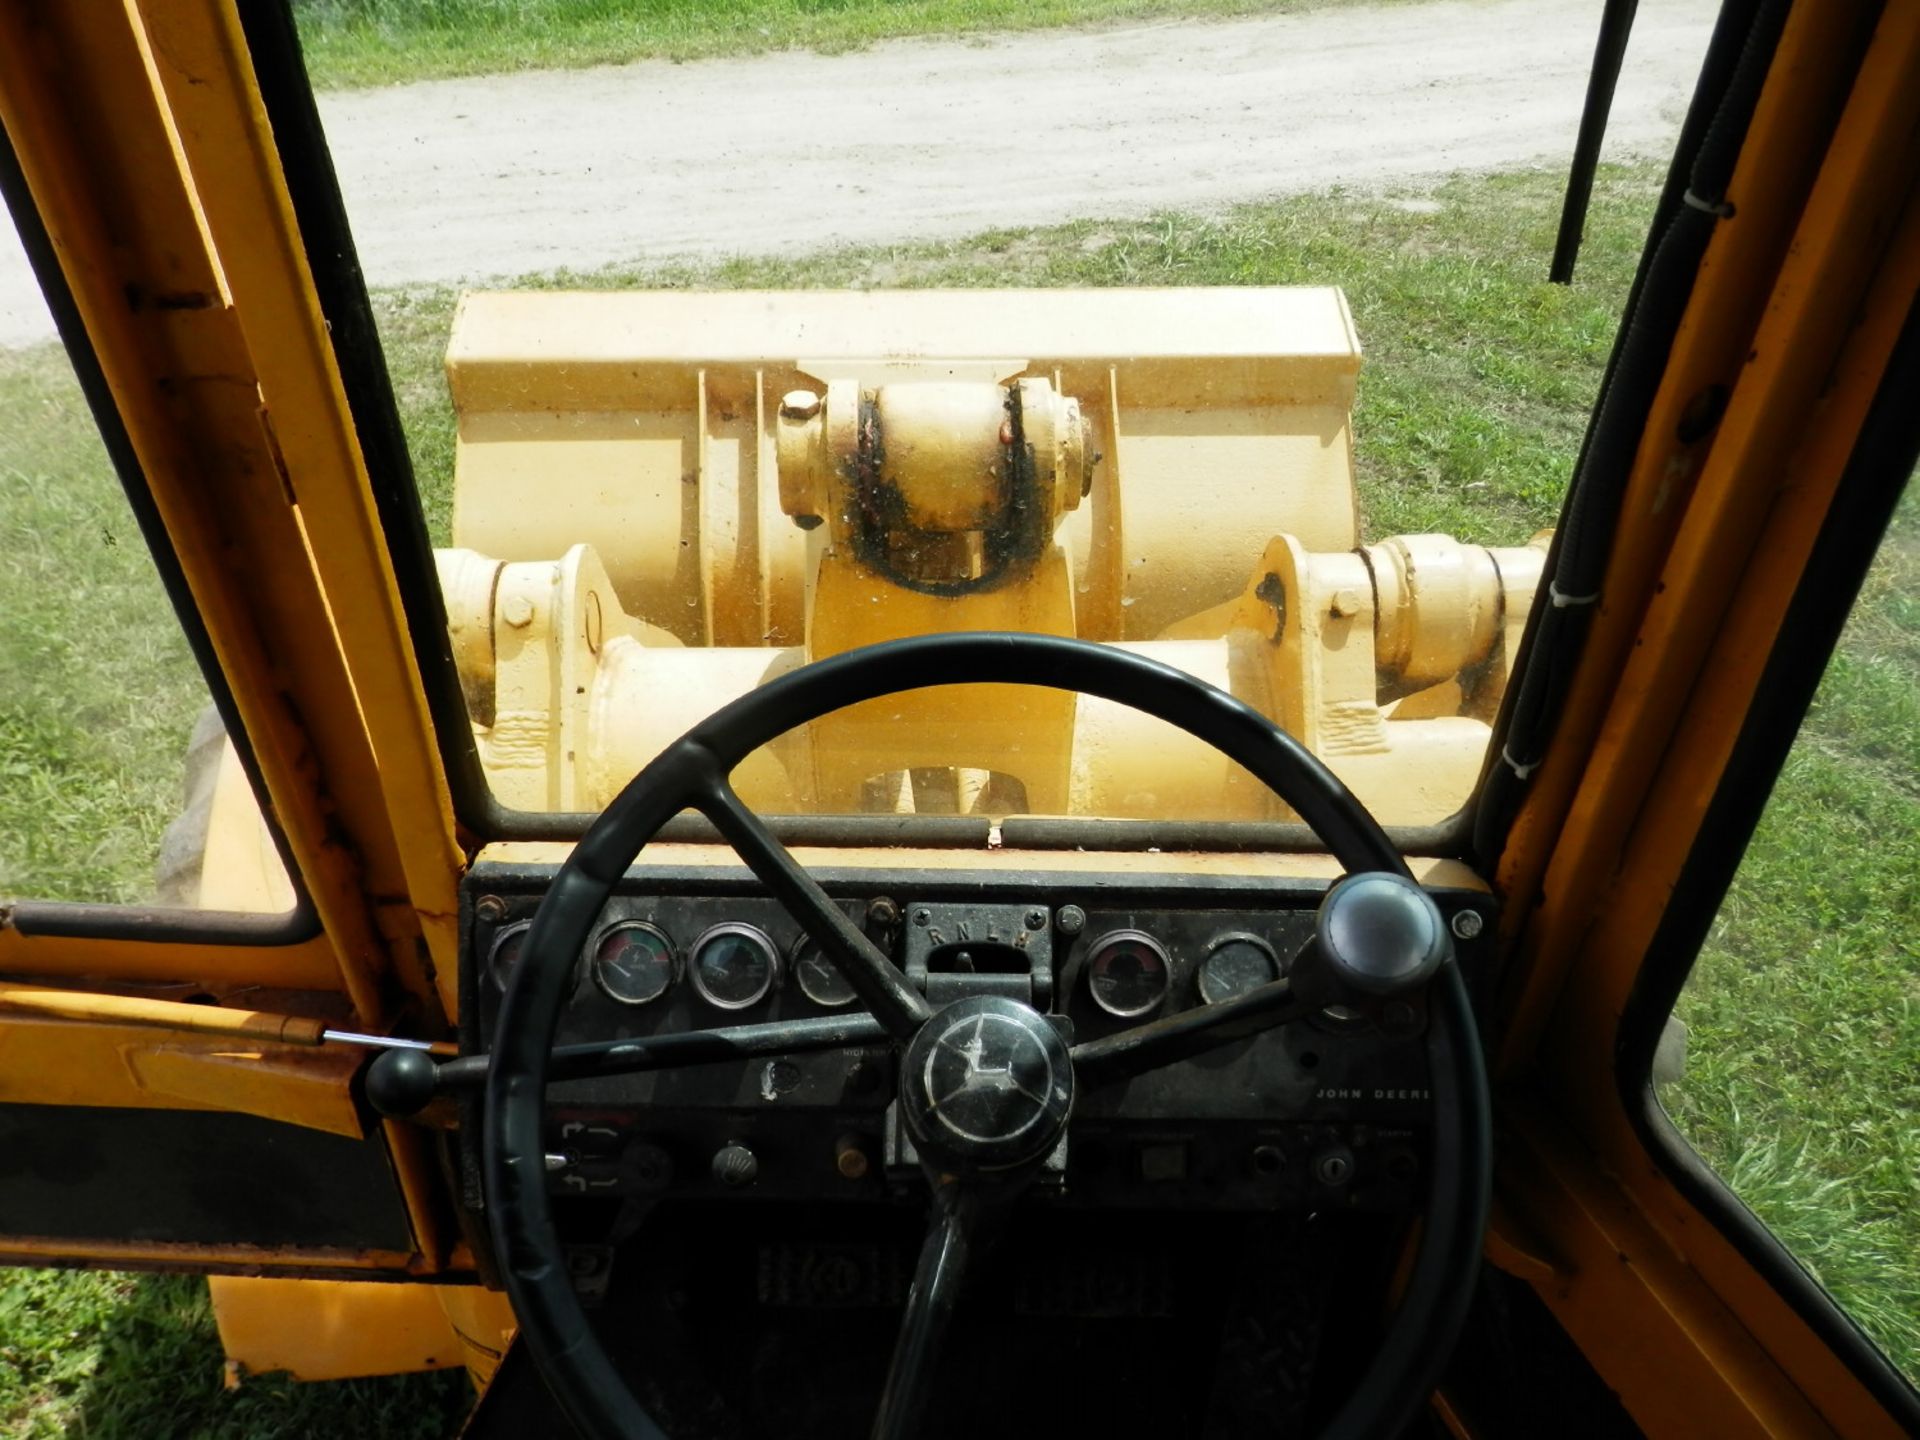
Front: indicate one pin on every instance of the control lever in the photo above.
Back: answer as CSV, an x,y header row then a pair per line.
x,y
405,1082
1380,934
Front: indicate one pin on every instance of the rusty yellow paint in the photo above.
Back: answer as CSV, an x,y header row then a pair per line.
x,y
45,1061
200,57
313,1262
666,404
217,1020
731,485
309,965
1713,546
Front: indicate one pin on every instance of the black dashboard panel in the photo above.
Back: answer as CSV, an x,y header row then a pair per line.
x,y
1311,1117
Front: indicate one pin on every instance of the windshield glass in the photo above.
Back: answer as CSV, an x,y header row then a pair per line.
x,y
1232,346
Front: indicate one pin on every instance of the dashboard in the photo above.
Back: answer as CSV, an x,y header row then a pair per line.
x,y
1329,1114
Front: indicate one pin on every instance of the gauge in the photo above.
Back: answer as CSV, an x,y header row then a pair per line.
x,y
505,954
819,978
1234,965
633,962
734,965
1127,973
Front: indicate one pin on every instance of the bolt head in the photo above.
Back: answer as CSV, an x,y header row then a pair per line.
x,y
1071,919
1345,602
923,916
781,1077
799,405
882,912
490,908
517,612
1036,919
1468,923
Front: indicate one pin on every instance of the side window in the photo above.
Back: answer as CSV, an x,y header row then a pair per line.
x,y
117,781
1799,1080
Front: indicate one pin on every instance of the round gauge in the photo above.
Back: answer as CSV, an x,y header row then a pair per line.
x,y
819,978
505,954
633,962
1234,965
733,965
1128,972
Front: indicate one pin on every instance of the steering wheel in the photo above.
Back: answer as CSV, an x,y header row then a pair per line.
x,y
986,1084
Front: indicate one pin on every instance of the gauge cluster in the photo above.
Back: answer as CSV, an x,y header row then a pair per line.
x,y
1330,1112
672,952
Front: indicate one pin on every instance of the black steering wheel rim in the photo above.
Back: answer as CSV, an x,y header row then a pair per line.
x,y
553,1322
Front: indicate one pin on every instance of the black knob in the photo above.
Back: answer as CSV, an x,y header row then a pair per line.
x,y
735,1165
1381,934
402,1082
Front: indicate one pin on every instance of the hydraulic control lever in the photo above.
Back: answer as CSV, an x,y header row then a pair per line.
x,y
1378,935
405,1082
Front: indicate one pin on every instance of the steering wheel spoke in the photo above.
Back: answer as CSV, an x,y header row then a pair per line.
x,y
1191,1032
937,1282
874,978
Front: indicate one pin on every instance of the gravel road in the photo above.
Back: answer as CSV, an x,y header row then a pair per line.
x,y
462,180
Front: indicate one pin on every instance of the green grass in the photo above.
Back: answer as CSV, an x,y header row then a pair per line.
x,y
97,688
1478,377
1803,1079
386,42
136,1357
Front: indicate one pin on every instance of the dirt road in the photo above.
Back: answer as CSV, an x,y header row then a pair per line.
x,y
466,179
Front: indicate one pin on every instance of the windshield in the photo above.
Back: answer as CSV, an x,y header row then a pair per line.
x,y
712,369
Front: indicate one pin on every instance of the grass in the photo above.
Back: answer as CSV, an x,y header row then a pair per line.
x,y
1803,1079
1806,1047
136,1357
99,689
387,42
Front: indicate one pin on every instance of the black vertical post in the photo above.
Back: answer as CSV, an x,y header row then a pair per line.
x,y
1616,24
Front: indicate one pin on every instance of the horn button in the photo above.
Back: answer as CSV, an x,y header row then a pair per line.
x,y
986,1085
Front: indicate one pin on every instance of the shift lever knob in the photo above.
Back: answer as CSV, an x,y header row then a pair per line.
x,y
1381,934
402,1082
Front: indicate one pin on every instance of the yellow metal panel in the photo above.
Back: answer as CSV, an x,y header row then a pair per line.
x,y
67,1062
308,965
201,59
645,424
997,861
332,1329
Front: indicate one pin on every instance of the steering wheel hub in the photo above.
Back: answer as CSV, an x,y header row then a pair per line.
x,y
986,1084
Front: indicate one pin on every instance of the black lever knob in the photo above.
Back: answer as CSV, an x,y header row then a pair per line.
x,y
402,1082
1381,934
